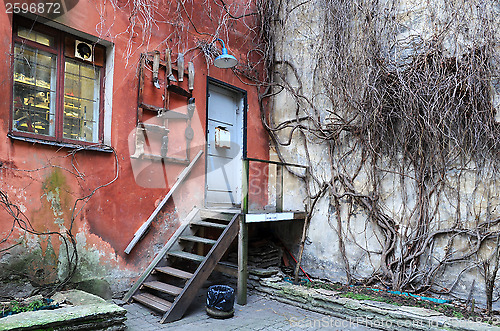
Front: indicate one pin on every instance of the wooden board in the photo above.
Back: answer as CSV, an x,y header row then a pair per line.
x,y
160,158
217,215
187,256
160,256
198,239
142,230
174,272
206,267
209,224
153,302
163,287
227,268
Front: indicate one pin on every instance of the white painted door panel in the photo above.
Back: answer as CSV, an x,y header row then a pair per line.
x,y
224,166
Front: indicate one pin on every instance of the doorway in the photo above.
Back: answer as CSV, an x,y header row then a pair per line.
x,y
226,107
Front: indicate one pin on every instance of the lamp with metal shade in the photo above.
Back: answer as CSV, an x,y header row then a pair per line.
x,y
225,60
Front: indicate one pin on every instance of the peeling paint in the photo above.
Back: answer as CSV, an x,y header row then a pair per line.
x,y
52,187
46,188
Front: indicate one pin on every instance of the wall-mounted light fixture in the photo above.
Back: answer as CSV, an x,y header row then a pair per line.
x,y
225,60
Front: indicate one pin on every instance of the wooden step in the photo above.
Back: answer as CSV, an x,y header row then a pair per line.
x,y
216,215
174,272
153,302
186,255
204,270
198,240
163,287
209,224
160,259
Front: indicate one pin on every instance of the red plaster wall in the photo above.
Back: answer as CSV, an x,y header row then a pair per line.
x,y
109,219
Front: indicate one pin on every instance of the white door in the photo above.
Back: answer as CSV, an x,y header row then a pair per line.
x,y
224,147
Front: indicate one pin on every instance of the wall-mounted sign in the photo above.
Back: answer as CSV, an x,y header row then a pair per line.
x,y
222,137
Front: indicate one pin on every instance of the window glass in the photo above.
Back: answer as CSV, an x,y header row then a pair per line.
x,y
35,36
64,112
81,101
34,91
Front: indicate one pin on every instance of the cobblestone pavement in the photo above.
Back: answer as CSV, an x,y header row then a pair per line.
x,y
260,313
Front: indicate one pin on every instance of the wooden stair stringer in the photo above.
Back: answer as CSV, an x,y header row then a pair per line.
x,y
184,299
159,260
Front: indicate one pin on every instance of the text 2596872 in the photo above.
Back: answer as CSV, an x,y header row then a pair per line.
x,y
33,8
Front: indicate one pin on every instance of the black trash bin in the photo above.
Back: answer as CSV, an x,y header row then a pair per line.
x,y
220,301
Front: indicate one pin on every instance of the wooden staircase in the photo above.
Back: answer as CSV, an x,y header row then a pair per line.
x,y
173,279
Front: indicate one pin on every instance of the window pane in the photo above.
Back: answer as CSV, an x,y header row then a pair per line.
x,y
35,36
34,91
81,101
72,68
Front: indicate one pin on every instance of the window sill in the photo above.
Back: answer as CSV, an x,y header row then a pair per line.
x,y
95,147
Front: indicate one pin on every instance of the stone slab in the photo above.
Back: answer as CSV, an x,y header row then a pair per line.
x,y
380,315
77,298
88,313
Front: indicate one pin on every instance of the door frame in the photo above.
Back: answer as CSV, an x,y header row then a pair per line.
x,y
215,82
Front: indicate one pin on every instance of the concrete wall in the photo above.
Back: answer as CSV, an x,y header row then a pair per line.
x,y
45,181
468,196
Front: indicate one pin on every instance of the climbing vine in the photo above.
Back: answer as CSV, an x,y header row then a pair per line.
x,y
21,223
402,99
145,19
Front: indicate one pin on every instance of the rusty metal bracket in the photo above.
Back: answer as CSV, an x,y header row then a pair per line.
x,y
163,112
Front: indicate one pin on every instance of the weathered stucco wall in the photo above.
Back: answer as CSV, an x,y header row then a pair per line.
x,y
343,234
45,182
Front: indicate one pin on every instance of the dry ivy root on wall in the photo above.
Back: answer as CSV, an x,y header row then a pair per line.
x,y
22,226
390,103
146,18
401,96
400,109
184,22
